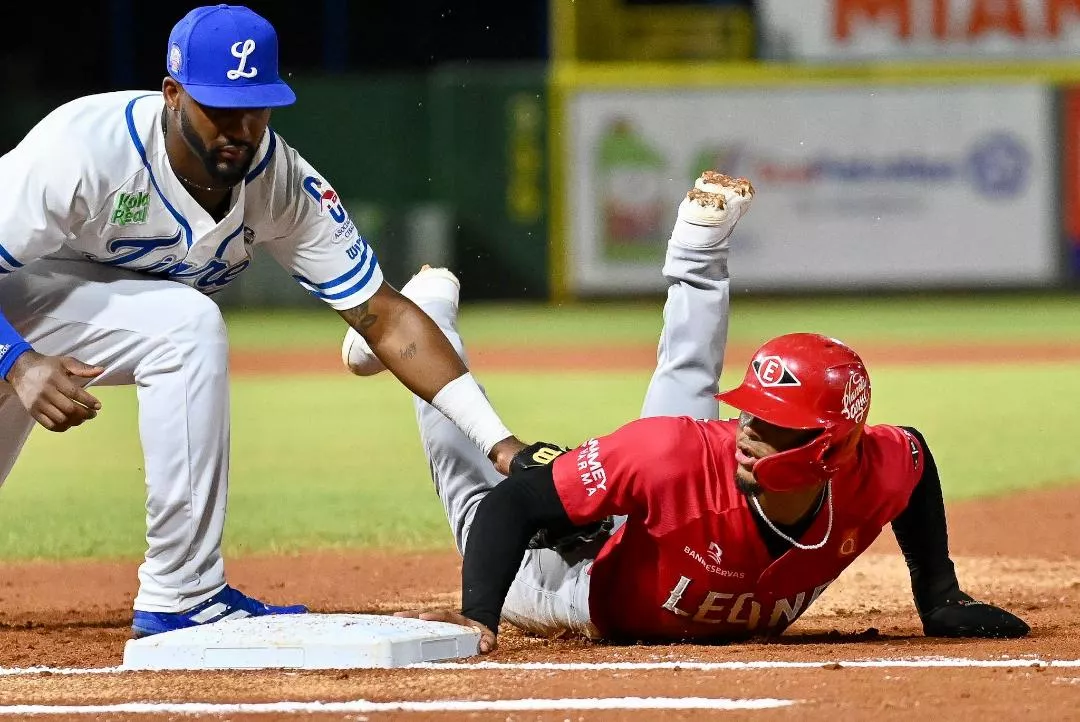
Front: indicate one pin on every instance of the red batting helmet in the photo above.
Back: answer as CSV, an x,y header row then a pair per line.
x,y
805,381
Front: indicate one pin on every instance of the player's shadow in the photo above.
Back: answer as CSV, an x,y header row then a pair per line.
x,y
52,625
870,635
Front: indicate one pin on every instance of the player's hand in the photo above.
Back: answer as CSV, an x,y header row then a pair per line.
x,y
50,389
488,638
503,453
966,617
540,453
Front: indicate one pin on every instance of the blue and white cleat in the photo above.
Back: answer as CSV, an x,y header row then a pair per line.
x,y
229,603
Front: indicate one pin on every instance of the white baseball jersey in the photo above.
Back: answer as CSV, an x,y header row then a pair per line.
x,y
92,181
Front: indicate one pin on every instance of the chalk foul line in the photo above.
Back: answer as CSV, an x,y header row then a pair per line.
x,y
366,706
917,662
908,662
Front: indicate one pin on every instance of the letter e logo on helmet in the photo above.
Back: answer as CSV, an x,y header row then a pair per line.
x,y
772,371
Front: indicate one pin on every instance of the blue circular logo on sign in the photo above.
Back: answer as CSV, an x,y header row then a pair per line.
x,y
999,166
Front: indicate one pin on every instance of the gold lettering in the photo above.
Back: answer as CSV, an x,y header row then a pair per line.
x,y
786,608
817,592
524,192
709,606
545,455
751,621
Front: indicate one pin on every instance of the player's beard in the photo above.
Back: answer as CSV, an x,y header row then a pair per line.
x,y
221,172
750,487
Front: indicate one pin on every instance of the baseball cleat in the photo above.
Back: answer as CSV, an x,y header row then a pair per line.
x,y
428,284
716,202
229,603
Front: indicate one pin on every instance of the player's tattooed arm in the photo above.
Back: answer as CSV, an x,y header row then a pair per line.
x,y
417,352
360,317
407,341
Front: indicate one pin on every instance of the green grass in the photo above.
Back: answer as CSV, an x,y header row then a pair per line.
x,y
307,472
1032,317
333,461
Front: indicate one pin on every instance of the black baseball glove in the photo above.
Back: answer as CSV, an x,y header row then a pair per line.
x,y
966,617
541,453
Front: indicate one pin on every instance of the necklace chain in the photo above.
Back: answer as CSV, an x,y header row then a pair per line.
x,y
805,547
191,183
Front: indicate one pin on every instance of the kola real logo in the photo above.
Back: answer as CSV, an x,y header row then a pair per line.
x,y
130,208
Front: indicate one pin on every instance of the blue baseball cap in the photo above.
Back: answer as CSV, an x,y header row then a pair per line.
x,y
226,56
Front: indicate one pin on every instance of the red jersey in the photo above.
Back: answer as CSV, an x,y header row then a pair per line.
x,y
689,561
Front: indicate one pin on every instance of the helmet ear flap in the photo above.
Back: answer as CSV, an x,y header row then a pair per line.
x,y
796,468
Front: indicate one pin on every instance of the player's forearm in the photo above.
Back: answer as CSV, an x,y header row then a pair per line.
x,y
922,535
409,344
505,520
417,352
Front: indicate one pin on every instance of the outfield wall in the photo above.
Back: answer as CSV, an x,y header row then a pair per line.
x,y
560,181
446,167
869,177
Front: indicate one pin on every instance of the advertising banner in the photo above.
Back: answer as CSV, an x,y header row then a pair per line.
x,y
857,187
831,30
1070,176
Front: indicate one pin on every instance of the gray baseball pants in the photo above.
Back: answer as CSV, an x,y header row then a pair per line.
x,y
551,592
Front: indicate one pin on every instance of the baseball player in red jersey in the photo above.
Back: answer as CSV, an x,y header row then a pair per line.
x,y
720,529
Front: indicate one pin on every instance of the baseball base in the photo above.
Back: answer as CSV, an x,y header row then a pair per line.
x,y
303,641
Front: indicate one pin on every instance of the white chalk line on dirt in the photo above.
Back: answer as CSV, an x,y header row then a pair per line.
x,y
925,663
363,705
19,671
909,662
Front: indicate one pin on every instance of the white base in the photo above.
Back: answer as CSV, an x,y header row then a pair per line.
x,y
303,641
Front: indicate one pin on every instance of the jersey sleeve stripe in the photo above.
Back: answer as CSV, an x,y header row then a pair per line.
x,y
359,285
254,173
129,115
8,259
340,279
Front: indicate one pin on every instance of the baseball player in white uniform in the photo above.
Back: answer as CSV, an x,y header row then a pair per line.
x,y
123,214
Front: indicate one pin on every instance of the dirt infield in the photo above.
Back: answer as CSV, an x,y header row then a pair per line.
x,y
1020,551
857,654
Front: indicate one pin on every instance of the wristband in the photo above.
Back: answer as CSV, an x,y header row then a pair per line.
x,y
463,402
12,346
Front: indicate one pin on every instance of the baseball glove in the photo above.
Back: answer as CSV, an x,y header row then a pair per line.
x,y
966,617
541,453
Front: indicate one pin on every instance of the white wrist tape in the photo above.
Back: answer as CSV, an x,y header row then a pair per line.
x,y
464,403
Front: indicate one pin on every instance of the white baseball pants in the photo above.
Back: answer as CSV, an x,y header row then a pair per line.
x,y
551,591
169,341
